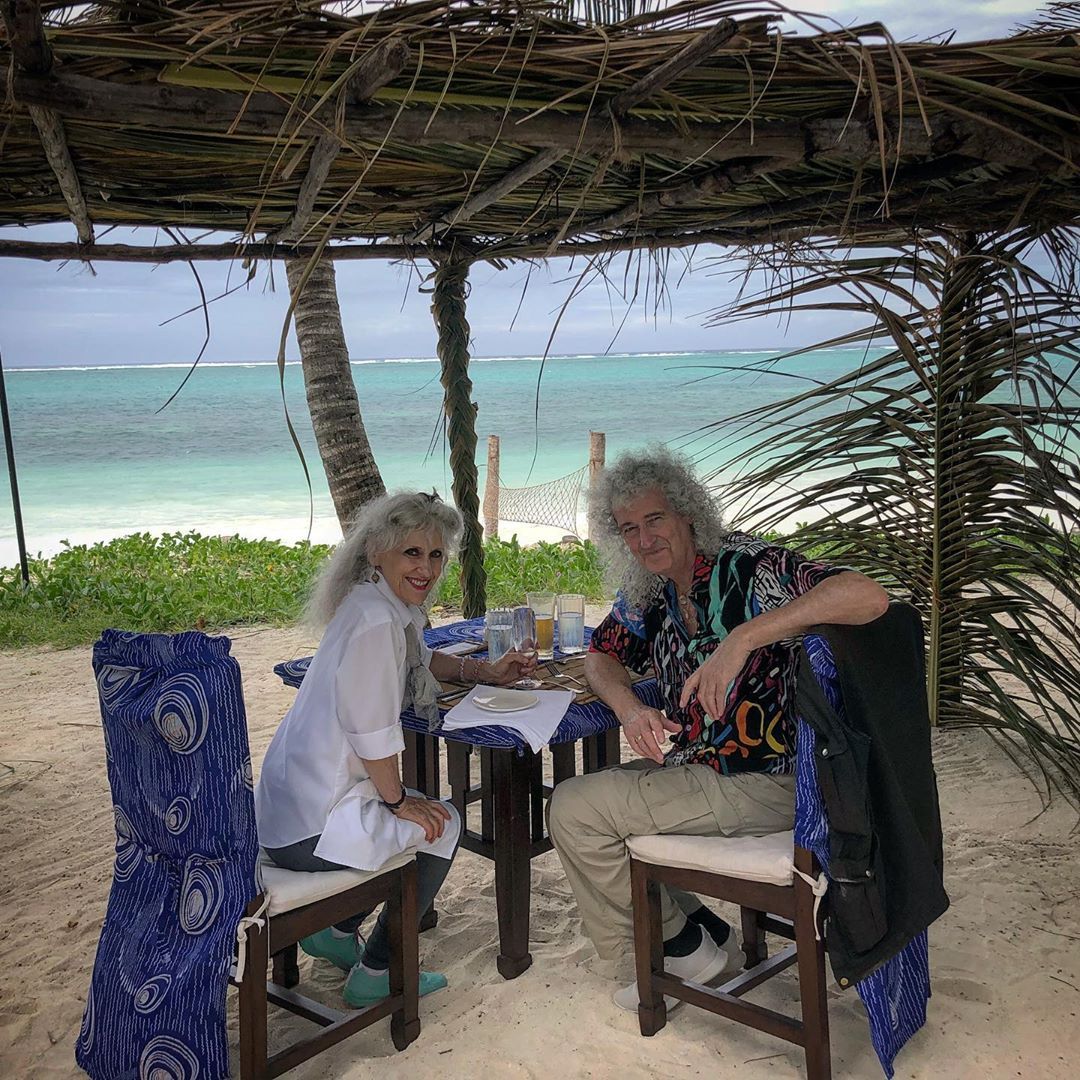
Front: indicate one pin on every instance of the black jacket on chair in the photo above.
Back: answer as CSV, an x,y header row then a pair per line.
x,y
877,779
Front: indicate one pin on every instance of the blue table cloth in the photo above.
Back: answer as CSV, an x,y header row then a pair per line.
x,y
580,721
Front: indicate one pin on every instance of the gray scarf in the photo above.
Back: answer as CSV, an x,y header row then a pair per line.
x,y
421,687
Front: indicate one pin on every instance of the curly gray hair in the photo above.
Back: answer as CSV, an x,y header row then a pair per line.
x,y
653,469
381,525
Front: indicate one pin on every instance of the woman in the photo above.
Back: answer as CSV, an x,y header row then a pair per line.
x,y
330,794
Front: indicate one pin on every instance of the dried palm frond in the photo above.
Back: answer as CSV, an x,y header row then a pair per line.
x,y
772,136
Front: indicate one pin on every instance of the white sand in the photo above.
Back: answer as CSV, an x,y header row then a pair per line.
x,y
1005,958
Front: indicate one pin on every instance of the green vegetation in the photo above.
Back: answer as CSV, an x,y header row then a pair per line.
x,y
512,570
184,580
155,583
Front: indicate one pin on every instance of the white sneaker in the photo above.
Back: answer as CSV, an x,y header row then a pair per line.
x,y
703,965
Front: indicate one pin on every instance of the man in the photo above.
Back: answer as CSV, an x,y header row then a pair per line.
x,y
717,616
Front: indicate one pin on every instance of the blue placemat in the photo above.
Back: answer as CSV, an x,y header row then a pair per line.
x,y
579,722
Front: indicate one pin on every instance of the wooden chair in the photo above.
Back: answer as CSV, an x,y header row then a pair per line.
x,y
294,905
777,886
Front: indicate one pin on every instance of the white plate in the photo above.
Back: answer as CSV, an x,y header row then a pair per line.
x,y
496,699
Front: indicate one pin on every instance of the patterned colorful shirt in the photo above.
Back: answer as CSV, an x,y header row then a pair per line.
x,y
756,732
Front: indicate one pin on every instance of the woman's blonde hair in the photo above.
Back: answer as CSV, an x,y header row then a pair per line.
x,y
380,526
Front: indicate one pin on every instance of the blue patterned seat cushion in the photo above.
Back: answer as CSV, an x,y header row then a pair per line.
x,y
176,750
895,995
579,722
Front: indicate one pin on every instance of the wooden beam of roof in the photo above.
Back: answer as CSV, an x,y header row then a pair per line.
x,y
685,194
57,252
376,68
703,46
53,142
160,107
26,36
506,183
689,56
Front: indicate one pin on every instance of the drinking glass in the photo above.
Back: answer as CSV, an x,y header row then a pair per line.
x,y
571,623
543,606
523,639
500,625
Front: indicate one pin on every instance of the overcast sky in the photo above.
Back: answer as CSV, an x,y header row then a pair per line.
x,y
59,315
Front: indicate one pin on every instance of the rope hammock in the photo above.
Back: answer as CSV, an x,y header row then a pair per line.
x,y
553,503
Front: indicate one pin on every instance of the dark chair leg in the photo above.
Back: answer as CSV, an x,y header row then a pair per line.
x,y
648,948
404,958
811,961
253,1002
286,971
754,948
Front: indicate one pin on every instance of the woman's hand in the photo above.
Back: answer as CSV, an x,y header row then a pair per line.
x,y
430,814
646,730
712,681
509,668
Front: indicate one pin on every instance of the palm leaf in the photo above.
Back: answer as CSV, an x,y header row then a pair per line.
x,y
947,466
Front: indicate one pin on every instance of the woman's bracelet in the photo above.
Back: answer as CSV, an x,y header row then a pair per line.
x,y
462,678
392,806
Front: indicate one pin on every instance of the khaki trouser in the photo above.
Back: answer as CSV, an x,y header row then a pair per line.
x,y
590,817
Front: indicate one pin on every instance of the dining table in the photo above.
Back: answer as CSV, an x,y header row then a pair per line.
x,y
493,766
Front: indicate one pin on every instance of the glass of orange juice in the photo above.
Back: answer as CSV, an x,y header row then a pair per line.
x,y
543,605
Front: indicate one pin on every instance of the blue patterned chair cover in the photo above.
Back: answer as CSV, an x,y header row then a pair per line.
x,y
177,754
580,721
895,995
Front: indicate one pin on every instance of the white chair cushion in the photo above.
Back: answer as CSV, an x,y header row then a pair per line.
x,y
766,859
290,889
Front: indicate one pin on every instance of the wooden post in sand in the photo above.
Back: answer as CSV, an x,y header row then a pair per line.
x,y
597,448
491,490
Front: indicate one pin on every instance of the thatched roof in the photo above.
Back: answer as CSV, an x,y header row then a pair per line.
x,y
512,131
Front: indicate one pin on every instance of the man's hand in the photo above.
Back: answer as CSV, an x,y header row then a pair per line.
x,y
646,729
712,681
429,814
510,667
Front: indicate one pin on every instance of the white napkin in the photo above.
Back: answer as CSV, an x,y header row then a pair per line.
x,y
535,725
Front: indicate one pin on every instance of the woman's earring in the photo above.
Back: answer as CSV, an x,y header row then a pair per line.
x,y
375,574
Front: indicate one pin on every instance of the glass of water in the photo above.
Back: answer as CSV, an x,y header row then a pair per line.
x,y
523,640
571,623
499,624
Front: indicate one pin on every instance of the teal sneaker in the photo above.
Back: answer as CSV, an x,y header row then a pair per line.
x,y
363,989
342,952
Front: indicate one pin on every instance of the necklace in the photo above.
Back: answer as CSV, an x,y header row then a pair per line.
x,y
686,609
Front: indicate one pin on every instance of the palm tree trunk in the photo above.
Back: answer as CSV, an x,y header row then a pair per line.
x,y
334,405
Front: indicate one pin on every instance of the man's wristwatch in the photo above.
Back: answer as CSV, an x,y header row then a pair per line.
x,y
392,806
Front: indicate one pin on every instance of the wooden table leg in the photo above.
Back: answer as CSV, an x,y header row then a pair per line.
x,y
536,797
612,747
457,772
410,760
563,762
487,832
510,778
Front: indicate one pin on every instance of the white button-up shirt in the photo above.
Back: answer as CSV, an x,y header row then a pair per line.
x,y
313,780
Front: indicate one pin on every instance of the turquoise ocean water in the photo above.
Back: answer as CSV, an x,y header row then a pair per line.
x,y
96,458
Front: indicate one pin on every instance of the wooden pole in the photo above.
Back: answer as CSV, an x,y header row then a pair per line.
x,y
597,451
491,490
448,309
13,479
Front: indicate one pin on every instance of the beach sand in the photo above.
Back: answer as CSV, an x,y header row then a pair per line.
x,y
1005,957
